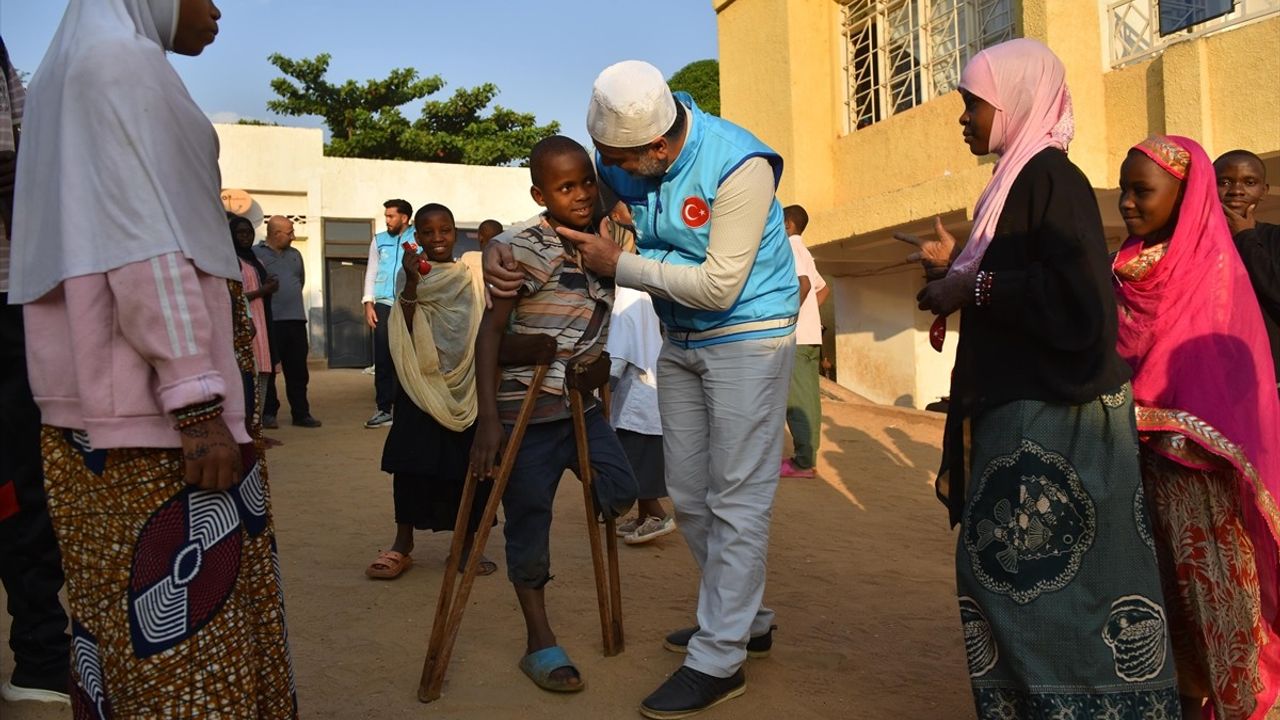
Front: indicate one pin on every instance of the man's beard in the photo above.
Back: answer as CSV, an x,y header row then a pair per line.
x,y
649,166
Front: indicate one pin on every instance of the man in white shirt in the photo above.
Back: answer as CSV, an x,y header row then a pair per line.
x,y
379,295
804,404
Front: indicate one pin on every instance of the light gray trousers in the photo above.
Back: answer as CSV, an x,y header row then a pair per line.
x,y
723,408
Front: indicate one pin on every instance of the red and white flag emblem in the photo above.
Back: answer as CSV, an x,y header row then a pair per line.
x,y
695,212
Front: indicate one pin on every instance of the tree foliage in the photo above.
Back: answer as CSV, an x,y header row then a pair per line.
x,y
701,79
365,119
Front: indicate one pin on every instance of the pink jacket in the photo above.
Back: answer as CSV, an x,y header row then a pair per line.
x,y
115,353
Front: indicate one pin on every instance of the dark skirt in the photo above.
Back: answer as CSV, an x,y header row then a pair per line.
x,y
428,463
644,452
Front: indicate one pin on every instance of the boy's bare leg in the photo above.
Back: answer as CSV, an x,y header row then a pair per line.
x,y
534,606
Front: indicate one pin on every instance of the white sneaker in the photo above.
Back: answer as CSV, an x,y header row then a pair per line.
x,y
14,693
651,529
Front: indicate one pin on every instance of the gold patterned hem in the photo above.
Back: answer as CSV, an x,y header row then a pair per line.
x,y
1187,439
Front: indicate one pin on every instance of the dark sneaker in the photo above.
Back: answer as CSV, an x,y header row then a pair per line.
x,y
379,419
757,647
688,692
307,422
269,422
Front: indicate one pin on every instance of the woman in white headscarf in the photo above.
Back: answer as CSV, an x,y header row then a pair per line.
x,y
137,335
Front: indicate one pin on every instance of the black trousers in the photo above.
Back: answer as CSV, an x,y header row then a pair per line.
x,y
30,564
291,346
384,370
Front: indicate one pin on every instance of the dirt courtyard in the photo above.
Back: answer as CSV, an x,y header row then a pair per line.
x,y
860,574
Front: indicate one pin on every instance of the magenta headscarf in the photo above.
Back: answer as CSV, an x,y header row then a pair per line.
x,y
1192,331
1027,85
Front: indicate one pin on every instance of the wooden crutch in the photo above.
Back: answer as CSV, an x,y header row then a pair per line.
x,y
586,379
449,606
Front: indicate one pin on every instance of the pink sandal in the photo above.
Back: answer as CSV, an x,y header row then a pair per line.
x,y
389,565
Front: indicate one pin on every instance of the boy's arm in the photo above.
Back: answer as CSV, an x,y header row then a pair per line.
x,y
489,432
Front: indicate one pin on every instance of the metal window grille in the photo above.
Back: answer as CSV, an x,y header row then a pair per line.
x,y
900,53
1135,24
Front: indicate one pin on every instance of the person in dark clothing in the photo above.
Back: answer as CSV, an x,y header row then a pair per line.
x,y
1242,184
30,564
288,322
1040,455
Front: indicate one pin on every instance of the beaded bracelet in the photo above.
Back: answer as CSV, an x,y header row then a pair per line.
x,y
195,414
406,300
982,288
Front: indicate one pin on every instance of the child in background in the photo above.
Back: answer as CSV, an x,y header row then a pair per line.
x,y
562,299
1242,185
488,230
257,286
635,339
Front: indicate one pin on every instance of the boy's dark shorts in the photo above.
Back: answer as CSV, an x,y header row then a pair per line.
x,y
547,451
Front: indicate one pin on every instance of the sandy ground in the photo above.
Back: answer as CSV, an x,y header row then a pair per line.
x,y
860,574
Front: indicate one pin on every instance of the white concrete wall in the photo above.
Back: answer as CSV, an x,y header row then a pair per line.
x,y
355,188
286,172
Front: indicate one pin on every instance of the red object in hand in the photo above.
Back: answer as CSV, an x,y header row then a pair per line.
x,y
409,245
938,332
424,267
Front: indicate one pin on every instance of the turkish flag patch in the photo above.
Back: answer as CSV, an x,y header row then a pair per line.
x,y
695,212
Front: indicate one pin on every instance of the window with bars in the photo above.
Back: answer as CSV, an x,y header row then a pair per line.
x,y
1140,29
900,53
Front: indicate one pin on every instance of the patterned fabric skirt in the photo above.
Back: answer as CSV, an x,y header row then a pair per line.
x,y
1211,583
175,595
1059,587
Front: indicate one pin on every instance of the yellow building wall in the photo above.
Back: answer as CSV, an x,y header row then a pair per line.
x,y
782,77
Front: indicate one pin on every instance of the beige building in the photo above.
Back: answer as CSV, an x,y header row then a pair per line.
x,y
858,97
336,206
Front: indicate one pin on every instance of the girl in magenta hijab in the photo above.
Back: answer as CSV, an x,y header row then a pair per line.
x,y
1059,588
1208,414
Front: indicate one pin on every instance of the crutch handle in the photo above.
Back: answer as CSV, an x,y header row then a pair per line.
x,y
587,377
526,349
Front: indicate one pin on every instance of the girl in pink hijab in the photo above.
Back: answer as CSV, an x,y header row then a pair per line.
x,y
1204,387
1059,588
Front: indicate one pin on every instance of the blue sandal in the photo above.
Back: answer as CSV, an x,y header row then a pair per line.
x,y
539,665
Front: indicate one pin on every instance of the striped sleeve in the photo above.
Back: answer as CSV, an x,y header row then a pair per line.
x,y
162,314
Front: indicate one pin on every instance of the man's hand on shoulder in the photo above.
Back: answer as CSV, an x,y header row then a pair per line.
x,y
502,275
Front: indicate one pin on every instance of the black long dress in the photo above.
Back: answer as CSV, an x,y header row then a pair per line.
x,y
428,464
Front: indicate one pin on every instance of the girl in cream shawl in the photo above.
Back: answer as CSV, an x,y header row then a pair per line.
x,y
432,333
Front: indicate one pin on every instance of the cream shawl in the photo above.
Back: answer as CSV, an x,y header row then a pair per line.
x,y
436,363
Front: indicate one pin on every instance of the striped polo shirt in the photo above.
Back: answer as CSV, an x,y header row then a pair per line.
x,y
559,298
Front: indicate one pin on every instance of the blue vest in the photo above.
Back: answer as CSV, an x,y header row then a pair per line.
x,y
390,255
673,225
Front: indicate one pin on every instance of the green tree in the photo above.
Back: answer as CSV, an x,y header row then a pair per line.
x,y
365,119
701,79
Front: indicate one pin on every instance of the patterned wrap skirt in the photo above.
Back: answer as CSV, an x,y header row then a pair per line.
x,y
1060,596
175,593
1226,651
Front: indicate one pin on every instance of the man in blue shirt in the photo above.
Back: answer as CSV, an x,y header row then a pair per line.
x,y
380,281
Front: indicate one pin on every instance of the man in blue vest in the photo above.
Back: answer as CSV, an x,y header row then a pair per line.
x,y
713,254
379,295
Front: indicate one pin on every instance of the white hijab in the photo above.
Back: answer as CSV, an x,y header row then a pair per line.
x,y
118,164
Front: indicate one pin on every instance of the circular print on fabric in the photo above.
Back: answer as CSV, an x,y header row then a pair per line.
x,y
1028,523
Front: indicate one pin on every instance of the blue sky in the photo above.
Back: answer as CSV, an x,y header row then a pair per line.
x,y
542,54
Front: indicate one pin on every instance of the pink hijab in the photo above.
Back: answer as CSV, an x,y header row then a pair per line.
x,y
1027,85
1193,334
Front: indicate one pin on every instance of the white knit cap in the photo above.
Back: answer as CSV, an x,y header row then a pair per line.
x,y
631,105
